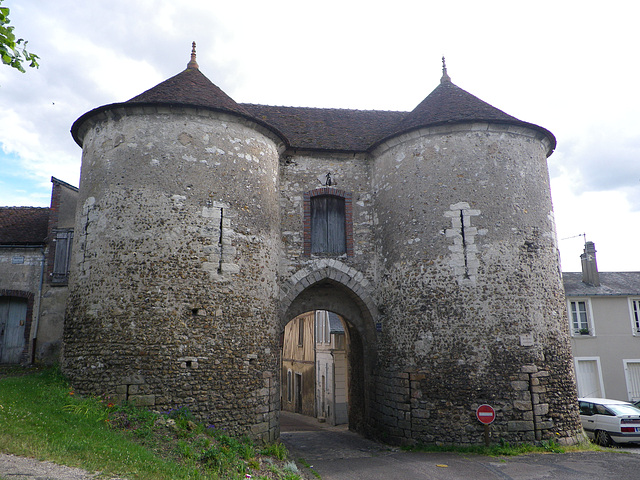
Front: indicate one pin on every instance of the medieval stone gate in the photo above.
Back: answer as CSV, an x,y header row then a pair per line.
x,y
205,225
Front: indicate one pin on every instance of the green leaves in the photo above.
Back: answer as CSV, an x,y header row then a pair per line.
x,y
14,52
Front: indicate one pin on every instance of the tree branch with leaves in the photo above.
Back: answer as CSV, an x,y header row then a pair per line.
x,y
14,51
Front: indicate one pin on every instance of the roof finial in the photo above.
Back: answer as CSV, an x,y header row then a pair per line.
x,y
445,76
192,63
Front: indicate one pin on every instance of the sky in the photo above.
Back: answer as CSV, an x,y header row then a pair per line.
x,y
569,66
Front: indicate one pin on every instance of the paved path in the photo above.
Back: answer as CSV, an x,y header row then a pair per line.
x,y
23,468
337,454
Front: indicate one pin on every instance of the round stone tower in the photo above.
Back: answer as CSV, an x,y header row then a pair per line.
x,y
471,298
173,288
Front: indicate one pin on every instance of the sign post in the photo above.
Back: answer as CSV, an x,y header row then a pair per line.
x,y
486,415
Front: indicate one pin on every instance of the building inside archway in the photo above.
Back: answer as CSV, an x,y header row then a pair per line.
x,y
315,367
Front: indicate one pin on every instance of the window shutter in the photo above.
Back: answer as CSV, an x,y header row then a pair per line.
x,y
336,239
319,224
62,255
328,225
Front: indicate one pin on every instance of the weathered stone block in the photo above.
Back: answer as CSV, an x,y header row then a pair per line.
x,y
143,400
520,426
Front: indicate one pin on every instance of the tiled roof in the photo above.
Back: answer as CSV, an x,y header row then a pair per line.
x,y
611,283
328,128
189,87
23,225
335,323
324,129
449,103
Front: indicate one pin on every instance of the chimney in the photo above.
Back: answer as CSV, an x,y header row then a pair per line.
x,y
589,266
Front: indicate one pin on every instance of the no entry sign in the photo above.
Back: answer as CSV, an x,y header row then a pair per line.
x,y
486,414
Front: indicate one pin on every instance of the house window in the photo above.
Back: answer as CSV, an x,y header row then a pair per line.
x,y
289,386
327,328
579,317
635,315
63,240
300,332
328,222
319,326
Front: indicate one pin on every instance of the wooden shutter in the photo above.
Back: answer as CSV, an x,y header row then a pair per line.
x,y
588,378
632,372
336,238
64,239
328,225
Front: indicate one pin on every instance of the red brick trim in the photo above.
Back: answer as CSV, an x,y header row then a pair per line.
x,y
24,356
348,216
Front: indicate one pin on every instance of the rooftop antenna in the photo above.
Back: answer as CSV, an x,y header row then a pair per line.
x,y
576,236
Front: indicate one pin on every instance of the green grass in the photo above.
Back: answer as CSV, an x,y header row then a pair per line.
x,y
41,417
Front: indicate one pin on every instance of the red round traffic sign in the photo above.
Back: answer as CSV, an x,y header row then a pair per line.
x,y
486,414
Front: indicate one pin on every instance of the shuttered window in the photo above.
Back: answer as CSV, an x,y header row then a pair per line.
x,y
632,374
63,241
589,377
328,233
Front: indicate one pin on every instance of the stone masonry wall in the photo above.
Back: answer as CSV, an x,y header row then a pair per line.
x,y
304,173
470,293
189,261
173,298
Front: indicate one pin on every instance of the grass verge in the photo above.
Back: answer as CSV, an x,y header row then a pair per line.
x,y
41,417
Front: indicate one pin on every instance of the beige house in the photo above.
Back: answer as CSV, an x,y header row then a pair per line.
x,y
332,389
298,366
315,367
604,320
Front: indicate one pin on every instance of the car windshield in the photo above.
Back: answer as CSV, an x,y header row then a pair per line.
x,y
621,409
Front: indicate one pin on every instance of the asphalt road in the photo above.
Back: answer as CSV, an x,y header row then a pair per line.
x,y
337,454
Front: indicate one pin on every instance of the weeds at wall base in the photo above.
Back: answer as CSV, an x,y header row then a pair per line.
x,y
42,417
503,448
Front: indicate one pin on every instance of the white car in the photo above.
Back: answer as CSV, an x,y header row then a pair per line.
x,y
608,422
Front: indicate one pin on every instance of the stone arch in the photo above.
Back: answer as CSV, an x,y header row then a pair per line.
x,y
328,284
333,272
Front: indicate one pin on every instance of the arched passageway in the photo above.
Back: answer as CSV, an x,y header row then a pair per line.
x,y
332,295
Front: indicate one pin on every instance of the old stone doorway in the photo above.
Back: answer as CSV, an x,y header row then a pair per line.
x,y
306,320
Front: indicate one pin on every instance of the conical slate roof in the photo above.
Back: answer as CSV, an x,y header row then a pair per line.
x,y
449,103
190,87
